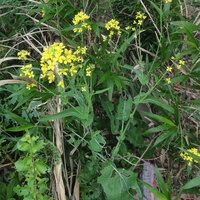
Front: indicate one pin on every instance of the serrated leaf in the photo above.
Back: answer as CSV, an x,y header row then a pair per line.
x,y
41,167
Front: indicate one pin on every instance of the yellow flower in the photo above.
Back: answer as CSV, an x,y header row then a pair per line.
x,y
80,17
29,86
188,158
61,83
128,27
133,29
43,12
119,32
83,89
140,22
181,62
168,80
168,1
169,69
112,24
178,66
172,58
23,54
62,71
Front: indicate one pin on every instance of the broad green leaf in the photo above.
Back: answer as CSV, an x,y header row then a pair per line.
x,y
143,78
23,165
124,109
41,167
193,183
117,183
154,191
159,118
19,128
38,146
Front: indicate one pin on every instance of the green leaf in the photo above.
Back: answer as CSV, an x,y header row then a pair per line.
x,y
38,146
19,128
124,109
161,183
97,142
78,112
154,191
23,165
101,91
158,102
18,119
41,167
165,135
193,183
143,78
159,118
117,183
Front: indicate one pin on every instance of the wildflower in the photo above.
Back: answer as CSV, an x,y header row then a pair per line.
x,y
172,58
119,33
133,29
88,71
181,62
169,69
168,1
29,86
83,89
168,80
61,83
188,158
112,24
135,36
43,12
27,71
140,17
80,17
72,71
62,71
128,27
23,54
178,66
140,22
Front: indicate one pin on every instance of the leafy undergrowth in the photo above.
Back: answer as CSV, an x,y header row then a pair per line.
x,y
90,91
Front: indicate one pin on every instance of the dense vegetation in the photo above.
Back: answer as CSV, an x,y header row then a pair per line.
x,y
92,90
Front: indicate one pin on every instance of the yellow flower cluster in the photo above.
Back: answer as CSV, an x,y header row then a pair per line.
x,y
168,1
80,18
29,86
139,18
169,69
113,25
57,54
23,54
188,158
27,71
